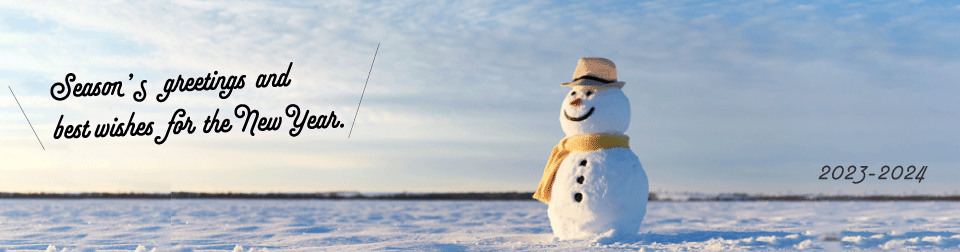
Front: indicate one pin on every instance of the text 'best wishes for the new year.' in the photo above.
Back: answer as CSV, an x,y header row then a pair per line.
x,y
179,121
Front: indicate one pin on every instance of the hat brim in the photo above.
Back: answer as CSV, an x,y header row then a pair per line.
x,y
594,83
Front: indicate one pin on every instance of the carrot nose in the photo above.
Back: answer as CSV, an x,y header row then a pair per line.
x,y
575,103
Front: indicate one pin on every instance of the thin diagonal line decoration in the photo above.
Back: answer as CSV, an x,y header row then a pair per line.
x,y
364,90
28,119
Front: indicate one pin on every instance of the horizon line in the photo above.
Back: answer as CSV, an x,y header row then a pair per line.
x,y
512,196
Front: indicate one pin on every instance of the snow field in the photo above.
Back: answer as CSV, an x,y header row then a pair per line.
x,y
312,225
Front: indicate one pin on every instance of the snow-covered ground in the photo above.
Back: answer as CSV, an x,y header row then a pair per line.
x,y
311,225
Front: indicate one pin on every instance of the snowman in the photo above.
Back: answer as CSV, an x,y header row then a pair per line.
x,y
593,184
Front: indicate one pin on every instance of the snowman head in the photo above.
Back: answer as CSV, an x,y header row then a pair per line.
x,y
595,110
595,105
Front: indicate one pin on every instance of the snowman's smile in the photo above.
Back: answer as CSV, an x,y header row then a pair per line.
x,y
577,119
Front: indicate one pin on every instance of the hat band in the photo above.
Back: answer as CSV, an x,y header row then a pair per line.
x,y
591,77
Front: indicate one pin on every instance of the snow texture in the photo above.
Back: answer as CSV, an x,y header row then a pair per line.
x,y
599,195
612,190
319,225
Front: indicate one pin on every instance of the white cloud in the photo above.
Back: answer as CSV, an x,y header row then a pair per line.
x,y
709,84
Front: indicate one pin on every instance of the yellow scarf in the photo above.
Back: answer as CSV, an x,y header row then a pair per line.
x,y
570,144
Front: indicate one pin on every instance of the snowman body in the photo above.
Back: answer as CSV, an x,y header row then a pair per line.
x,y
600,193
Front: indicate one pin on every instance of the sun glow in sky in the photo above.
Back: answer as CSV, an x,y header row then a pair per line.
x,y
730,96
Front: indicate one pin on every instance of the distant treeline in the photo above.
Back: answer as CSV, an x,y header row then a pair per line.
x,y
452,196
88,195
359,196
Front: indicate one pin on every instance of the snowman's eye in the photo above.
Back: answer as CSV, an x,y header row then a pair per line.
x,y
573,93
589,93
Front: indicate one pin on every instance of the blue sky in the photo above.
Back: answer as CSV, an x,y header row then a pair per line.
x,y
731,96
